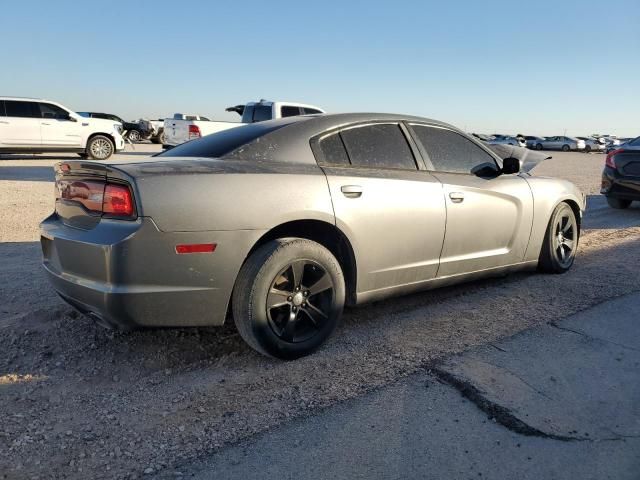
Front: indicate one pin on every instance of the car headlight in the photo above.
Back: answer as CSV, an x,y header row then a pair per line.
x,y
117,127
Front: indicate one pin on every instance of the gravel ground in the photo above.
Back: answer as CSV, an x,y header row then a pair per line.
x,y
79,401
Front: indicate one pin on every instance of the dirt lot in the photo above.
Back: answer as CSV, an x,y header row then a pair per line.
x,y
82,402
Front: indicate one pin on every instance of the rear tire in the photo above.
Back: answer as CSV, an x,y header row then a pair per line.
x,y
560,241
538,146
99,147
587,149
288,298
566,148
618,203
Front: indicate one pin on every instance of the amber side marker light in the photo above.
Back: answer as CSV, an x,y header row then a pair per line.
x,y
196,248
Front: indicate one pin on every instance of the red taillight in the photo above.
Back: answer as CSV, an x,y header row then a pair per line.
x,y
194,132
196,248
609,162
117,201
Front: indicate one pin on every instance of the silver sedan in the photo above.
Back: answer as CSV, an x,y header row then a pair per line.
x,y
280,224
563,143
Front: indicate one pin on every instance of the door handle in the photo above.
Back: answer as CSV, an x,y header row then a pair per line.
x,y
45,123
2,121
351,191
456,197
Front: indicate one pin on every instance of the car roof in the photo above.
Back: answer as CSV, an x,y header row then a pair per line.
x,y
291,142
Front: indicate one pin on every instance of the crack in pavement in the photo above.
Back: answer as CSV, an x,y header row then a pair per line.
x,y
592,337
495,411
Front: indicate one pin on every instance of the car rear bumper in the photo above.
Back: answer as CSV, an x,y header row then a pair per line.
x,y
619,186
128,275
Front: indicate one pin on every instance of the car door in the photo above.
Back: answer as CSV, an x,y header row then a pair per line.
x,y
20,125
489,215
57,127
392,212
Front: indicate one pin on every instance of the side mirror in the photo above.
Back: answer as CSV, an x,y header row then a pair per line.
x,y
510,165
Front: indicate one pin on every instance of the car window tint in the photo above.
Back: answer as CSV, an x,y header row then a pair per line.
x,y
48,110
21,109
310,111
222,143
635,143
333,151
451,152
2,112
261,113
378,146
289,111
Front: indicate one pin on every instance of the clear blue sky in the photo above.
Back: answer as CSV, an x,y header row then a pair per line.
x,y
490,66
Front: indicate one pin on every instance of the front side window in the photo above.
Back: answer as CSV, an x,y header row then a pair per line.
x,y
378,146
451,152
48,110
289,111
16,108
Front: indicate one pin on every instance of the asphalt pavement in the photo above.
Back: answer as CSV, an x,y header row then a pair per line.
x,y
559,401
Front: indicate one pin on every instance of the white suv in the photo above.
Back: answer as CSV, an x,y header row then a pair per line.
x,y
30,125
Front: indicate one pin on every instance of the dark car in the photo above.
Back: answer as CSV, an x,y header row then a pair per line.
x,y
621,175
134,131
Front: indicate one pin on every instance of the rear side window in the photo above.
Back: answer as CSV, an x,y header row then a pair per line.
x,y
289,111
2,112
632,143
16,108
451,152
378,146
222,143
261,113
48,110
310,111
333,151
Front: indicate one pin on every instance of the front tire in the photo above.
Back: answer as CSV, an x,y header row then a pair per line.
x,y
538,146
566,148
618,203
587,149
100,147
560,241
134,136
288,298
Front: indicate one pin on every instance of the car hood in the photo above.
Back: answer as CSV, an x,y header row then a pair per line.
x,y
528,158
99,123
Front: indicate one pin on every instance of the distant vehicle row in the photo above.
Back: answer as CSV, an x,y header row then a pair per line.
x,y
595,143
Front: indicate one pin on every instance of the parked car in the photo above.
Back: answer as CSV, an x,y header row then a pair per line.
x,y
506,140
592,144
621,175
187,127
29,125
560,143
135,131
531,141
286,221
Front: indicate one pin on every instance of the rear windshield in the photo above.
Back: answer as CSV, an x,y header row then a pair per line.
x,y
222,143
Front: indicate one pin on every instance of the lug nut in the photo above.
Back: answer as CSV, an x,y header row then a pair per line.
x,y
306,293
304,305
289,299
294,309
297,289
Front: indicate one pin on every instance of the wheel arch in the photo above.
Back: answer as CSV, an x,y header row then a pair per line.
x,y
327,235
108,135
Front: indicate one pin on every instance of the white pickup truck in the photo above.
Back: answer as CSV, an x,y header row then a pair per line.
x,y
182,128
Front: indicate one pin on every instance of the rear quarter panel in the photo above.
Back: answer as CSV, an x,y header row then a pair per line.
x,y
547,194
